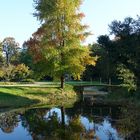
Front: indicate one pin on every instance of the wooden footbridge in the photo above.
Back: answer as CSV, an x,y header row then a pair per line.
x,y
91,91
94,91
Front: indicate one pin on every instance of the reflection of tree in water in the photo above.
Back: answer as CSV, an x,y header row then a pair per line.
x,y
33,120
77,130
129,124
8,121
68,124
96,113
51,127
97,118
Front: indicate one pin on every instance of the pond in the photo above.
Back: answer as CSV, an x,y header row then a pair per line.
x,y
80,122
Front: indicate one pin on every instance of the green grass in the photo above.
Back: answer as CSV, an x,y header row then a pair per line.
x,y
18,96
51,84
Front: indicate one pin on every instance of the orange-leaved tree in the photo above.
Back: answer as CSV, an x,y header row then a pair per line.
x,y
57,44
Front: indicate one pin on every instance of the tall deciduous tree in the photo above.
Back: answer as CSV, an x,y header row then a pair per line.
x,y
10,48
1,56
127,44
57,44
119,58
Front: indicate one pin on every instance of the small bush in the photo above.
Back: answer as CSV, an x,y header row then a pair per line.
x,y
127,77
1,74
7,73
21,72
15,73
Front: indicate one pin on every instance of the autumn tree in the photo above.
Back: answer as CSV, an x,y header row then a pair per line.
x,y
57,44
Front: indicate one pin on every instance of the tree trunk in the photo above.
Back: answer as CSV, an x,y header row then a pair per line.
x,y
7,59
63,115
62,81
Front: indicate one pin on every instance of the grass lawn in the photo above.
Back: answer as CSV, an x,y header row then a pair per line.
x,y
16,94
50,84
24,96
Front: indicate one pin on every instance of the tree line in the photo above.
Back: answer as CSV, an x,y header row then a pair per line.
x,y
118,57
56,49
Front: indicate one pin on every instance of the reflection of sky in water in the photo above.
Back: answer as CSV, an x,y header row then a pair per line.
x,y
58,112
103,130
19,133
50,113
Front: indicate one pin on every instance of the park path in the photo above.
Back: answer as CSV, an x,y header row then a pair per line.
x,y
36,84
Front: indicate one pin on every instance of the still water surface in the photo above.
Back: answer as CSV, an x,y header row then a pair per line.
x,y
77,123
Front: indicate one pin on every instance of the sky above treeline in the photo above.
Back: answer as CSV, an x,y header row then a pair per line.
x,y
16,17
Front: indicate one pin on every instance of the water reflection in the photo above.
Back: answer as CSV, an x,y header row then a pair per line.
x,y
77,123
8,121
129,122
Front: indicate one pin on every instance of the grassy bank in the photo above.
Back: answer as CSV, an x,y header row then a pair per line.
x,y
16,96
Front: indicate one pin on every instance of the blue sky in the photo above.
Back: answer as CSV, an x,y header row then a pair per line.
x,y
16,19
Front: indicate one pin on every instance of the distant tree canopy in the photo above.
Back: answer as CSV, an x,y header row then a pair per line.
x,y
56,46
1,56
10,49
123,50
25,56
127,44
11,66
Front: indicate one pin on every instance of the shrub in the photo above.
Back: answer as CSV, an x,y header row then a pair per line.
x,y
15,73
1,74
127,77
7,73
21,72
